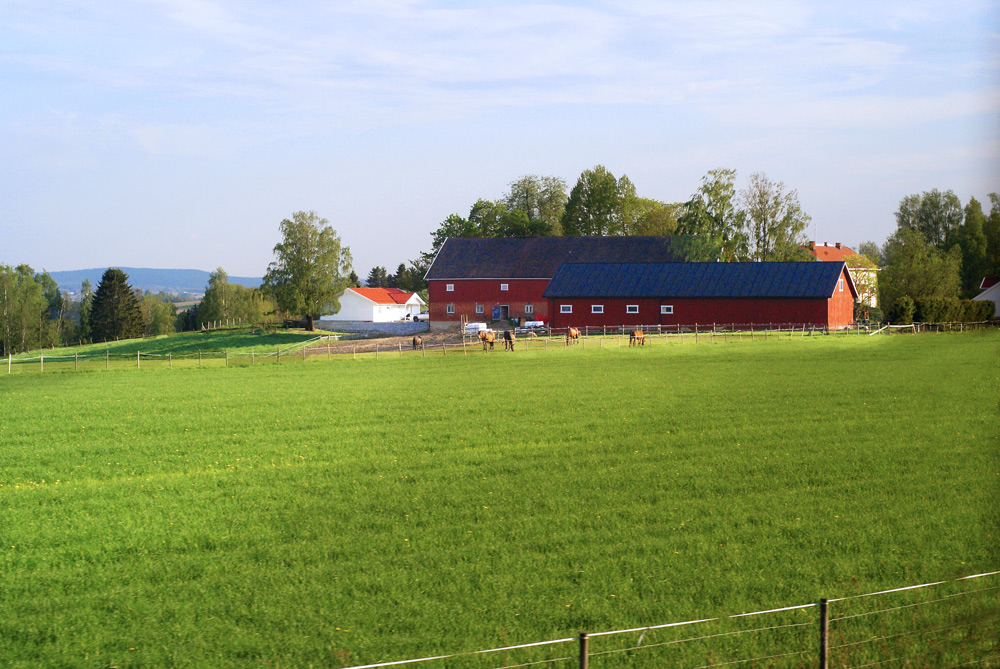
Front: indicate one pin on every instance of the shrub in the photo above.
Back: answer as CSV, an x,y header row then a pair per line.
x,y
903,310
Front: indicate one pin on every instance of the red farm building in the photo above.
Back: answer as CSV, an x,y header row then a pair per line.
x,y
476,279
632,294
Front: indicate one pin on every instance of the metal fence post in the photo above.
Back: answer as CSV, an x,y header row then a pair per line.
x,y
584,647
824,632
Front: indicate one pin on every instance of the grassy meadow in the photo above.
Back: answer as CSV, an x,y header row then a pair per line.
x,y
330,513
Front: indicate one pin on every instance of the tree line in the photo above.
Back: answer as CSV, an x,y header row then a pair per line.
x,y
938,254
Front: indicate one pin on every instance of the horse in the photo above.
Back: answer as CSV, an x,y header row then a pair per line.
x,y
572,333
508,340
487,337
637,338
418,342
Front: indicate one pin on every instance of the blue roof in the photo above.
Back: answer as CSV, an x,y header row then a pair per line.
x,y
699,279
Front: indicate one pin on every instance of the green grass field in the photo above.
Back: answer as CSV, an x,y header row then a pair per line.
x,y
341,512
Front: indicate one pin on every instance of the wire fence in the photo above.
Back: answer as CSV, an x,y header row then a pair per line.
x,y
541,339
953,623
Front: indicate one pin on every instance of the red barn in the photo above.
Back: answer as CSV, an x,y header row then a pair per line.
x,y
630,294
491,279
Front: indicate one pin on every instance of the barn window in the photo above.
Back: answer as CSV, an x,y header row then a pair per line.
x,y
631,308
503,286
565,308
666,308
529,309
450,308
597,308
840,284
450,287
479,308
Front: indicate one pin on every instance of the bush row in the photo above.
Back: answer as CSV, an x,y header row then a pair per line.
x,y
941,310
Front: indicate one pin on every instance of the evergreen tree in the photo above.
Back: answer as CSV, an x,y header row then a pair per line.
x,y
115,313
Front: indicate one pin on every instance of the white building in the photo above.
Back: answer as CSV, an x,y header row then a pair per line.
x,y
376,305
991,291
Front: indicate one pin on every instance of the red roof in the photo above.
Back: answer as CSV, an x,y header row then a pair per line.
x,y
988,282
831,252
384,295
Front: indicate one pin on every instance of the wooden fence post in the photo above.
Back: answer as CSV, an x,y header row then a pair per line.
x,y
76,362
400,345
824,633
137,354
227,357
584,648
9,360
444,348
107,359
251,357
170,360
41,362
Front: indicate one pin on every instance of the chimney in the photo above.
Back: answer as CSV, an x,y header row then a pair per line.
x,y
826,243
838,245
812,245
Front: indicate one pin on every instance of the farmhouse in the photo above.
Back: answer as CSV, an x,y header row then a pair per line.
x,y
376,305
991,292
630,294
865,278
493,279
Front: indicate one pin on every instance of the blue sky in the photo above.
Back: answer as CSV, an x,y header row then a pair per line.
x,y
178,133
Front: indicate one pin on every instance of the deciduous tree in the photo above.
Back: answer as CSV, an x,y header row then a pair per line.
x,y
599,204
311,269
713,221
774,219
935,215
916,270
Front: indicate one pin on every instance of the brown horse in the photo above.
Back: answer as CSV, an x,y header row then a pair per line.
x,y
487,337
572,333
637,338
508,340
418,342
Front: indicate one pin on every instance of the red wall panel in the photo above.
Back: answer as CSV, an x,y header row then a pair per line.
x,y
689,311
468,293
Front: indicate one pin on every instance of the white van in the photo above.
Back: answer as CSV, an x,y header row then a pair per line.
x,y
475,328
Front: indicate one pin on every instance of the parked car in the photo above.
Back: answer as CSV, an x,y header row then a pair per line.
x,y
423,316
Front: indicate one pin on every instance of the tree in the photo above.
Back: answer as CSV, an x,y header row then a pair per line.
x,y
864,277
971,239
377,278
916,270
217,303
115,313
598,204
158,315
542,199
871,251
653,218
353,280
311,269
775,220
991,231
935,215
712,220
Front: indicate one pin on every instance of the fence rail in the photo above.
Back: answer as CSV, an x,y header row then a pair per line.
x,y
958,625
541,339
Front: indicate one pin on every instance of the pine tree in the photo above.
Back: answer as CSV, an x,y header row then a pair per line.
x,y
115,313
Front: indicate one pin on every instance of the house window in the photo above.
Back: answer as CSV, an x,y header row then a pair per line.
x,y
840,285
503,286
666,308
597,308
631,308
450,287
529,309
479,308
565,308
450,309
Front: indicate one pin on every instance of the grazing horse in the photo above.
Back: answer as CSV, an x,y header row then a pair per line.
x,y
572,333
508,340
418,341
637,338
487,337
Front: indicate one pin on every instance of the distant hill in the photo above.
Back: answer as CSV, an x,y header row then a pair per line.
x,y
176,281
